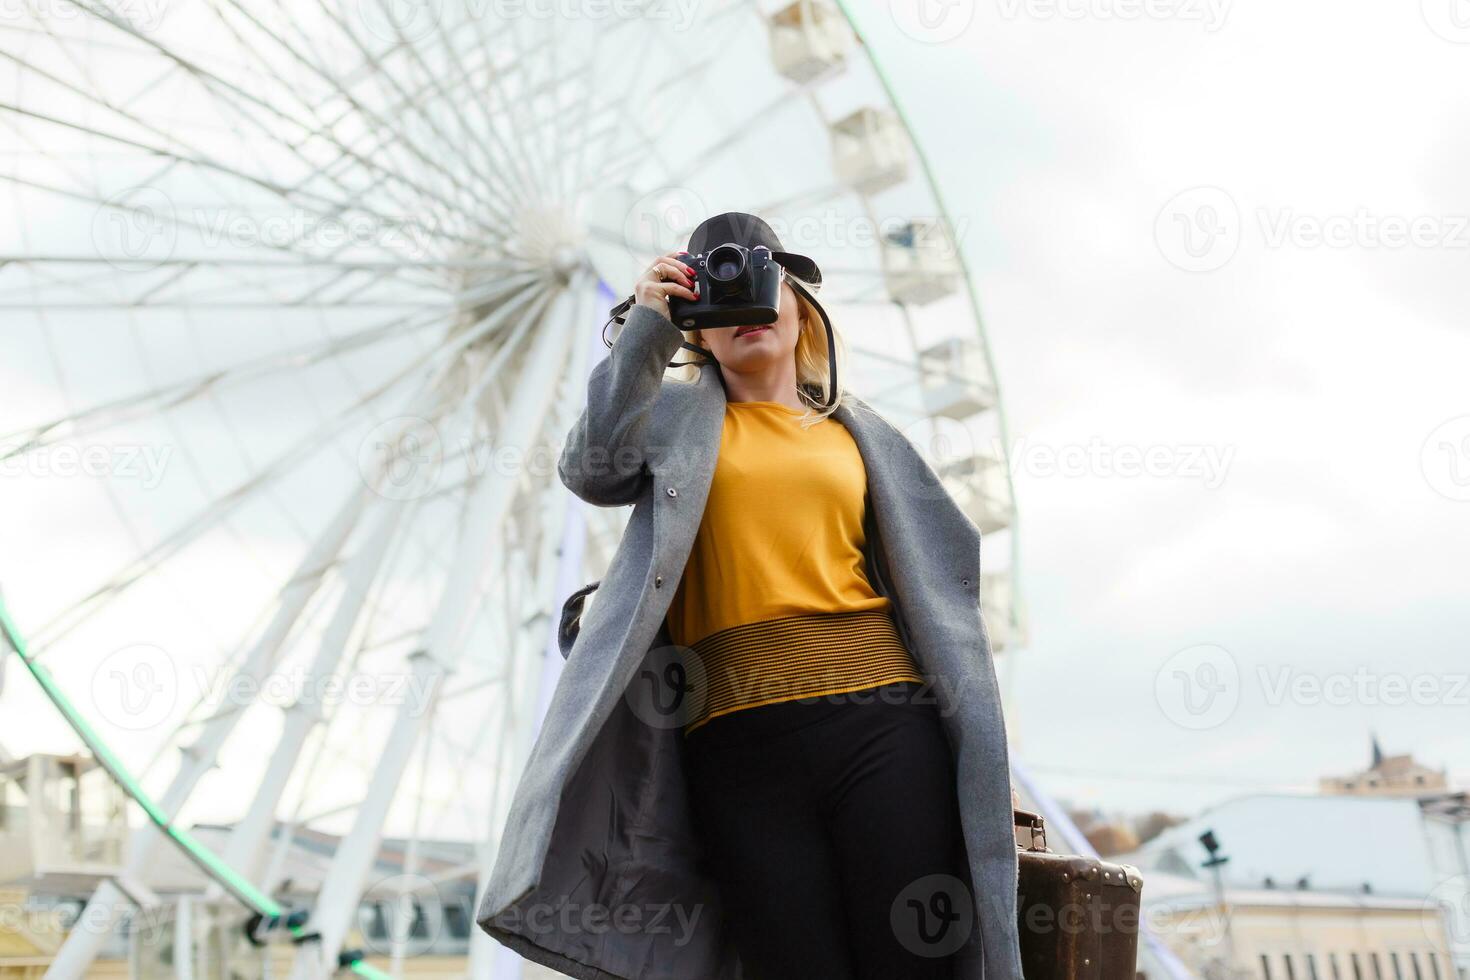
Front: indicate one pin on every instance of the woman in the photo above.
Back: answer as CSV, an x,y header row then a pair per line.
x,y
808,806
822,783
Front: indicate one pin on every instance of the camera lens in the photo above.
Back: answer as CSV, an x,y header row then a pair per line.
x,y
725,263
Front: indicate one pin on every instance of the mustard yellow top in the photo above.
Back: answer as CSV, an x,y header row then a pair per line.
x,y
782,532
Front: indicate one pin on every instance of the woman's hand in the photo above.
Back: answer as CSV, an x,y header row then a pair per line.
x,y
606,457
668,276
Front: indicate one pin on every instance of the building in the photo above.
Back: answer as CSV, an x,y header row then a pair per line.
x,y
62,833
1356,887
1388,775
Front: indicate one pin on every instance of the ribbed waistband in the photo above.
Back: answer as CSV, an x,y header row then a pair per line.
x,y
797,657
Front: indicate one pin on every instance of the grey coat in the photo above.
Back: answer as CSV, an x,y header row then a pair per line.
x,y
598,874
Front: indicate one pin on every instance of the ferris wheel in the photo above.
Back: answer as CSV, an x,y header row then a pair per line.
x,y
299,302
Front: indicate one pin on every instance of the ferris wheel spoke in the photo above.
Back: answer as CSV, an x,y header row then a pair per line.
x,y
416,101
239,99
97,418
615,110
176,64
510,164
143,211
470,201
361,570
442,646
219,509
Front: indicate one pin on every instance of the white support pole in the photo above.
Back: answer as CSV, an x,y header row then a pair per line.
x,y
108,903
184,938
490,502
245,850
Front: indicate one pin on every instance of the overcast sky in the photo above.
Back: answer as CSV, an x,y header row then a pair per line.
x,y
1222,251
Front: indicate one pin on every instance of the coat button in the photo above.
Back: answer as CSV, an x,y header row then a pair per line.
x,y
672,492
658,580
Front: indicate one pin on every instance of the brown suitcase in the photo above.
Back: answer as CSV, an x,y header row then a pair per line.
x,y
1078,916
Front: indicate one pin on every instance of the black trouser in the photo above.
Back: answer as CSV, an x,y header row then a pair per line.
x,y
832,830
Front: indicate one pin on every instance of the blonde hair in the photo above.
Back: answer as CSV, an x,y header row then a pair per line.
x,y
813,371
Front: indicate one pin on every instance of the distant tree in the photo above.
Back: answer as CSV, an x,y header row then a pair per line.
x,y
1151,825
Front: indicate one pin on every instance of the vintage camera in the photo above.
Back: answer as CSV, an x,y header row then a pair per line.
x,y
737,285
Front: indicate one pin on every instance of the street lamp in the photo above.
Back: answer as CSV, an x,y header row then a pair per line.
x,y
1217,860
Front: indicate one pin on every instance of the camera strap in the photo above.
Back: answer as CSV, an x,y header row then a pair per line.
x,y
831,340
619,314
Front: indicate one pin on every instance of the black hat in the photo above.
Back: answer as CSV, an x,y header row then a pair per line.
x,y
750,231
